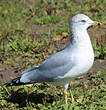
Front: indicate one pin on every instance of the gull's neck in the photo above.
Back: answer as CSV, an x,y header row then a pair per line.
x,y
80,37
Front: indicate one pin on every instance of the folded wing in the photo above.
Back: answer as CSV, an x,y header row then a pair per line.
x,y
56,65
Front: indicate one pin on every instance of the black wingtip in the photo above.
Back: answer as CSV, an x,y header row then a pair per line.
x,y
14,82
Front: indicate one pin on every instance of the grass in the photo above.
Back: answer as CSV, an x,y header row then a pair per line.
x,y
26,32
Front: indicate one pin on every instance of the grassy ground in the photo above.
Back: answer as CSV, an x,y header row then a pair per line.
x,y
30,31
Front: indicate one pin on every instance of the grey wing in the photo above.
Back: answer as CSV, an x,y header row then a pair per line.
x,y
29,70
56,65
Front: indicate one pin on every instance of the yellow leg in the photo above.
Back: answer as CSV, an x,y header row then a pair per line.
x,y
72,98
65,93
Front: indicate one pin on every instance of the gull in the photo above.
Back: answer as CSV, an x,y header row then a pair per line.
x,y
63,66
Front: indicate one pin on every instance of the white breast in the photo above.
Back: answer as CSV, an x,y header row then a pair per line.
x,y
82,62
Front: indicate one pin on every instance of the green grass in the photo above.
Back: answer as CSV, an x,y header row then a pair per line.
x,y
26,30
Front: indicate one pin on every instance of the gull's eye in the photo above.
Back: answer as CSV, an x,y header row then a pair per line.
x,y
83,21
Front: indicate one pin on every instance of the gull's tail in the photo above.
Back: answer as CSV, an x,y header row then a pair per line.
x,y
23,79
14,82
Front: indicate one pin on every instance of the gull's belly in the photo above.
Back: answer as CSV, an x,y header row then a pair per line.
x,y
80,67
81,64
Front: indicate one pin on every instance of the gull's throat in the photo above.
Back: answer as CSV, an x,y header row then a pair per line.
x,y
80,37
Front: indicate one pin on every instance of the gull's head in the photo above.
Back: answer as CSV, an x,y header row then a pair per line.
x,y
81,21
